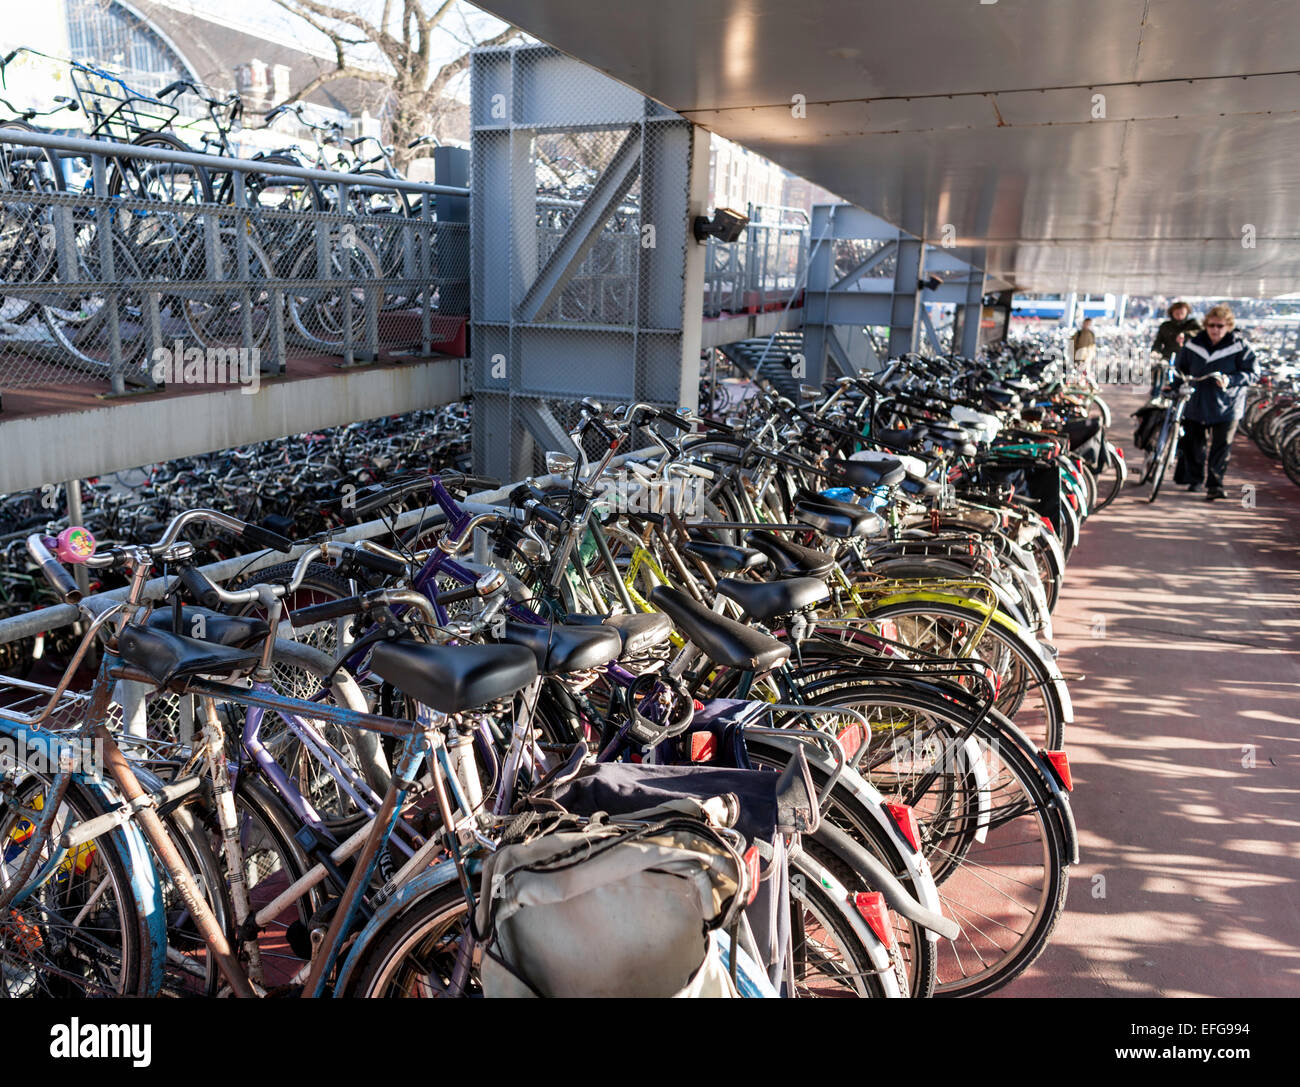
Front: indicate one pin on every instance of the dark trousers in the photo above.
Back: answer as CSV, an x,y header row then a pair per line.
x,y
1193,451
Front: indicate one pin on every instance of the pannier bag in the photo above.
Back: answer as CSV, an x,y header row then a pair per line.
x,y
604,909
1147,429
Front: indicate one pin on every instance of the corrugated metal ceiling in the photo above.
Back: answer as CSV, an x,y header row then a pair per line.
x,y
983,116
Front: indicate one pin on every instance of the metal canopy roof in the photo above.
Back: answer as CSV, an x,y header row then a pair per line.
x,y
980,115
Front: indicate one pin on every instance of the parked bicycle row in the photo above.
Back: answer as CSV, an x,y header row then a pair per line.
x,y
771,710
105,256
1272,417
299,485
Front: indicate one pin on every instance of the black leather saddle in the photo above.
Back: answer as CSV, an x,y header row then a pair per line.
x,y
454,678
722,640
565,647
869,474
952,438
896,439
639,631
204,625
791,559
723,556
836,518
764,600
166,656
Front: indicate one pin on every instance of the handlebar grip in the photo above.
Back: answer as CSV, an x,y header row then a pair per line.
x,y
455,596
533,501
330,609
200,587
379,563
664,416
55,572
175,85
264,537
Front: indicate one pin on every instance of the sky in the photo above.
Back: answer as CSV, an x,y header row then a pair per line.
x,y
267,19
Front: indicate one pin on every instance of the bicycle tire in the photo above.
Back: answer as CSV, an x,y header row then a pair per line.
x,y
965,868
77,963
1048,725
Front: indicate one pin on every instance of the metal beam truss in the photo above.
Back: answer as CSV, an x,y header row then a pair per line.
x,y
865,273
582,255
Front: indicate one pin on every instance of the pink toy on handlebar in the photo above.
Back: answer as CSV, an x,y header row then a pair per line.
x,y
74,544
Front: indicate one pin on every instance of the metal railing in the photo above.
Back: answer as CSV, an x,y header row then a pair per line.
x,y
763,269
142,266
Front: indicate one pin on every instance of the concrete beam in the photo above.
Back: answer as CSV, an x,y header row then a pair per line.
x,y
747,326
128,433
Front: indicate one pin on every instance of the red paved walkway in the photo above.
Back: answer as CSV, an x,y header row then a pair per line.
x,y
1194,674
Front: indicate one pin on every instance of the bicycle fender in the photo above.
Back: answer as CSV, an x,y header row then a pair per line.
x,y
146,887
1002,620
432,879
876,950
980,772
918,868
1060,798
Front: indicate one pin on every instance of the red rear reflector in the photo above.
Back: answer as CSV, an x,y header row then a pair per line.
x,y
698,704
1119,452
1048,522
850,740
751,864
888,629
871,904
905,819
704,746
1059,761
1074,500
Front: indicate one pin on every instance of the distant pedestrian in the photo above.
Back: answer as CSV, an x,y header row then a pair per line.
x,y
1216,407
1084,348
1172,334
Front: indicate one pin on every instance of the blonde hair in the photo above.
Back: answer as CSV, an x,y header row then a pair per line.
x,y
1222,311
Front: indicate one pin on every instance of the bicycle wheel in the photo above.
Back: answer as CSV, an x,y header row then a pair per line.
x,y
1111,482
843,809
830,956
1163,457
415,954
986,825
330,315
81,933
1026,686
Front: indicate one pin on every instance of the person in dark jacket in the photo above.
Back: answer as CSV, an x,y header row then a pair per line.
x,y
1217,404
1176,331
1170,337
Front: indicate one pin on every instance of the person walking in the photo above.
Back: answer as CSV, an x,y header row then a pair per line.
x,y
1216,406
1180,327
1084,348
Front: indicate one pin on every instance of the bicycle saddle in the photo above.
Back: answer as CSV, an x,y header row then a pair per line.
x,y
791,559
722,640
866,474
723,556
214,627
764,600
639,631
166,656
897,439
454,678
836,518
565,648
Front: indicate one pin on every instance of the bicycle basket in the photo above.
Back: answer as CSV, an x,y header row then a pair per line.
x,y
114,109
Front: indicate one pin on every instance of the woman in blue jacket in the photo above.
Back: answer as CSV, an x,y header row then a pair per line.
x,y
1217,405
